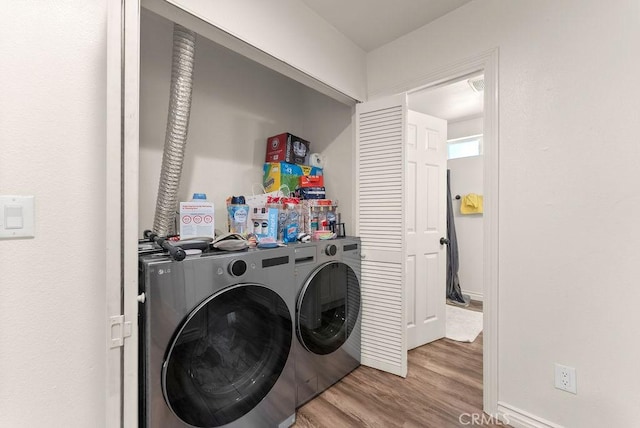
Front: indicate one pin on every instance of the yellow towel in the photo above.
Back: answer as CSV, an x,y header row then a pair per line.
x,y
471,204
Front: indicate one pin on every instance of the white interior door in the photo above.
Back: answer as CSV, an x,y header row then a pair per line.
x,y
380,202
425,224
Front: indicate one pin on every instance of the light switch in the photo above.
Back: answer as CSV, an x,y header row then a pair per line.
x,y
16,217
13,217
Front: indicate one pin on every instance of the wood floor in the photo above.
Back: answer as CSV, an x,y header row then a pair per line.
x,y
443,389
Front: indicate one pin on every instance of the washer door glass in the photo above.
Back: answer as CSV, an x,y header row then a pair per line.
x,y
227,355
328,308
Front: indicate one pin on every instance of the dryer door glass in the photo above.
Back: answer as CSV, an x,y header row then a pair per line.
x,y
227,355
328,308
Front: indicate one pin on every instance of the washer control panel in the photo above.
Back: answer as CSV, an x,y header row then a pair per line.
x,y
237,267
331,250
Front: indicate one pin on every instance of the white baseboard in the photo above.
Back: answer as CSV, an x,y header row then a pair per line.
x,y
474,295
519,418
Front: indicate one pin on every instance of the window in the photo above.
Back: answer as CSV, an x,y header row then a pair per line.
x,y
464,147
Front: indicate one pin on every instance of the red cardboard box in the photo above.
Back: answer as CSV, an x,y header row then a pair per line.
x,y
287,148
312,181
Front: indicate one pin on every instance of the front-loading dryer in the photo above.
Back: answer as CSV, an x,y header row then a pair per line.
x,y
328,314
216,336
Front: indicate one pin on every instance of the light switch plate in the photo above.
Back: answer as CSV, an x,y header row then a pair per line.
x,y
17,217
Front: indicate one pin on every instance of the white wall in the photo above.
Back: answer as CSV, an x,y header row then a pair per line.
x,y
328,125
466,177
52,287
464,128
290,31
569,108
237,105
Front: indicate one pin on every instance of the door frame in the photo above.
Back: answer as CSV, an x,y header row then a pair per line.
x,y
122,148
113,197
486,62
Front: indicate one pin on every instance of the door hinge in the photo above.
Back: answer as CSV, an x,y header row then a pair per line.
x,y
119,329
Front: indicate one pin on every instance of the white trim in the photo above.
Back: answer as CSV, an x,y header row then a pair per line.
x,y
466,118
473,295
468,137
519,418
130,177
113,243
488,63
491,149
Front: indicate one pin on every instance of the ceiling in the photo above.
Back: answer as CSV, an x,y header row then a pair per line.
x,y
373,23
452,102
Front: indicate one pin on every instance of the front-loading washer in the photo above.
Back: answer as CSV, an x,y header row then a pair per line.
x,y
328,314
216,336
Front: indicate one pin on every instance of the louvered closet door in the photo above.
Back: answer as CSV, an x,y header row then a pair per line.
x,y
380,134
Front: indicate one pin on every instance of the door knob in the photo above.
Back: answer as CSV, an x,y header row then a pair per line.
x,y
444,241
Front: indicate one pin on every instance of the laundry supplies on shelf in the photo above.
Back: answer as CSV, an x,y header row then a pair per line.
x,y
238,212
289,218
311,181
311,187
196,217
279,174
287,148
265,223
311,193
320,218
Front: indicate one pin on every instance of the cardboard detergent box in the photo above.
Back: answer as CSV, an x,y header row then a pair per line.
x,y
288,148
277,174
311,193
311,181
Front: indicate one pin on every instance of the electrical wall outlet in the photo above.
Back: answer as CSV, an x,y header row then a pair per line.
x,y
565,378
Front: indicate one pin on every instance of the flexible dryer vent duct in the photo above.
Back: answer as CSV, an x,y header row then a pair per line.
x,y
184,43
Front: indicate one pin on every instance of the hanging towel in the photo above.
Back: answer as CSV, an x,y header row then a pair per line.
x,y
471,204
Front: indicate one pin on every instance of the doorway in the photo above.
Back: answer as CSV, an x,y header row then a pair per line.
x,y
461,103
485,64
458,106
